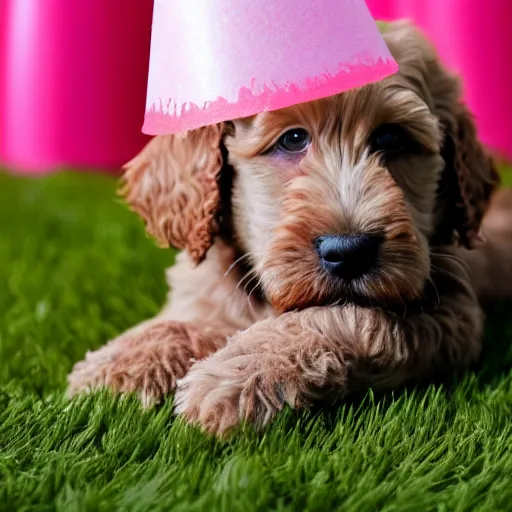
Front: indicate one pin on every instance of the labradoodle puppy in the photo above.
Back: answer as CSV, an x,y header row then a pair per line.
x,y
326,248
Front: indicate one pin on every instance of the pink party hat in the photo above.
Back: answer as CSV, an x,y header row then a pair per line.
x,y
214,60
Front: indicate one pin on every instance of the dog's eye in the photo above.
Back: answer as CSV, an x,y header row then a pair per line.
x,y
294,141
391,139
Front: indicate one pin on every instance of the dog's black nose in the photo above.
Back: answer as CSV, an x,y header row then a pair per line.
x,y
348,256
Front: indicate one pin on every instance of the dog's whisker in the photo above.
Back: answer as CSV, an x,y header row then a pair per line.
x,y
453,258
253,289
243,283
432,282
246,280
251,306
237,261
450,272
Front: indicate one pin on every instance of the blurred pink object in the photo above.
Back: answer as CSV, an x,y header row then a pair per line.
x,y
72,81
213,60
475,39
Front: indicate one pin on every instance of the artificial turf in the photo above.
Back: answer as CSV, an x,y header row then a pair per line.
x,y
76,269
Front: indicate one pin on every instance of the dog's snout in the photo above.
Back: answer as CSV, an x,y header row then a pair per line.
x,y
348,256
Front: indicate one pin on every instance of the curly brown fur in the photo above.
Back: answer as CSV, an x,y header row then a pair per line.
x,y
172,185
259,323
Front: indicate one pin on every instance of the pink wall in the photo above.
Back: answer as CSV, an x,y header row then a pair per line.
x,y
73,81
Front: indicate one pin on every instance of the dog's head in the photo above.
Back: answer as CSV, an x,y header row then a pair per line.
x,y
338,199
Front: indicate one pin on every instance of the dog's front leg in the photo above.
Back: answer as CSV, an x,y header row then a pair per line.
x,y
147,359
203,309
321,354
274,362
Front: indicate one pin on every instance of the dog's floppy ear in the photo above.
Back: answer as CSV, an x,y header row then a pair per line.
x,y
173,185
469,168
473,168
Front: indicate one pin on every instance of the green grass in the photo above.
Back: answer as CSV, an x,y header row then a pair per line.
x,y
76,269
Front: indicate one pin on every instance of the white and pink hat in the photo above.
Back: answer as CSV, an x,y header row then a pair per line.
x,y
214,60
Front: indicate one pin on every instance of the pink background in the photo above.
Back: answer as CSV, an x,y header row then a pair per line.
x,y
72,82
73,74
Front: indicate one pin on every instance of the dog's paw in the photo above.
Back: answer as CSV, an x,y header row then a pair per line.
x,y
91,373
142,370
147,363
218,393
